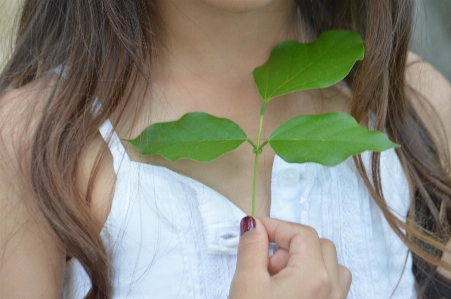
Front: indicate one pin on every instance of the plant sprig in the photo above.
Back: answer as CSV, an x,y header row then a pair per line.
x,y
327,139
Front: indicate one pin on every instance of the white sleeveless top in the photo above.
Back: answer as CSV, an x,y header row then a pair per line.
x,y
169,236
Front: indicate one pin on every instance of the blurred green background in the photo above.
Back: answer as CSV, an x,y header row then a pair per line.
x,y
432,35
8,9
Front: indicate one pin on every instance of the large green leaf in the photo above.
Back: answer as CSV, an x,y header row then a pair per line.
x,y
327,139
293,66
197,136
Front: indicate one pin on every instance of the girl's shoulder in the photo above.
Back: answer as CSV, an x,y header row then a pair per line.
x,y
430,93
31,255
21,110
427,81
431,96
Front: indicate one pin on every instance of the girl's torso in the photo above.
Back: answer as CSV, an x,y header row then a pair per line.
x,y
172,236
232,174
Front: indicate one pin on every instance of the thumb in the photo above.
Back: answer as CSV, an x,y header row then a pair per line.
x,y
253,247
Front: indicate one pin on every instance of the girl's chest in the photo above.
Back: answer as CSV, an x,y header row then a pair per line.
x,y
232,176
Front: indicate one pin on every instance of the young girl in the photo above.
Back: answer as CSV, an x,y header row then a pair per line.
x,y
83,215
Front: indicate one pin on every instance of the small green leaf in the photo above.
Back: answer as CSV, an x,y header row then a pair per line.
x,y
293,66
197,136
327,139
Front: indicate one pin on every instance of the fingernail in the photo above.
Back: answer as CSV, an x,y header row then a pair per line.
x,y
247,224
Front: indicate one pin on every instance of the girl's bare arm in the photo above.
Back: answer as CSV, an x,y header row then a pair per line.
x,y
436,90
32,257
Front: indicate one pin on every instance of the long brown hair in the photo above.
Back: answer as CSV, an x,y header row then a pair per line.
x,y
106,45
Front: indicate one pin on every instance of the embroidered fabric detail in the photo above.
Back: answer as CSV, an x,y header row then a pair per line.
x,y
221,221
336,203
214,276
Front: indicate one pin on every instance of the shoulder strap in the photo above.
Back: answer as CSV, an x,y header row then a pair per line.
x,y
115,145
106,130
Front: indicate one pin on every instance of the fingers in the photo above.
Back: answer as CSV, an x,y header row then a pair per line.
x,y
331,262
253,249
304,266
345,279
251,279
278,261
301,248
301,242
329,253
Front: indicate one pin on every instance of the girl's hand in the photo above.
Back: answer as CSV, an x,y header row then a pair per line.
x,y
304,266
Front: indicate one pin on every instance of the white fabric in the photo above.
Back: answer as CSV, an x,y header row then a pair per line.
x,y
169,236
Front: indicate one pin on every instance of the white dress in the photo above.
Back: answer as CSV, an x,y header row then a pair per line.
x,y
169,236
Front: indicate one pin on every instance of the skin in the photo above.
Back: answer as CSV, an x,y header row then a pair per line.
x,y
237,6
302,257
203,42
198,50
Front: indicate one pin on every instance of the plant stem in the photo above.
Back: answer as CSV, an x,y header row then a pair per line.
x,y
254,190
252,143
257,152
263,144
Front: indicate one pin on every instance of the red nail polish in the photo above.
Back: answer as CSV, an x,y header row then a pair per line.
x,y
247,224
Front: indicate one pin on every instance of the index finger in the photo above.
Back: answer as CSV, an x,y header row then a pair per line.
x,y
301,242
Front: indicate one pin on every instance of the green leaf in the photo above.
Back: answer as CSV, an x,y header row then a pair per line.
x,y
197,136
293,66
327,139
